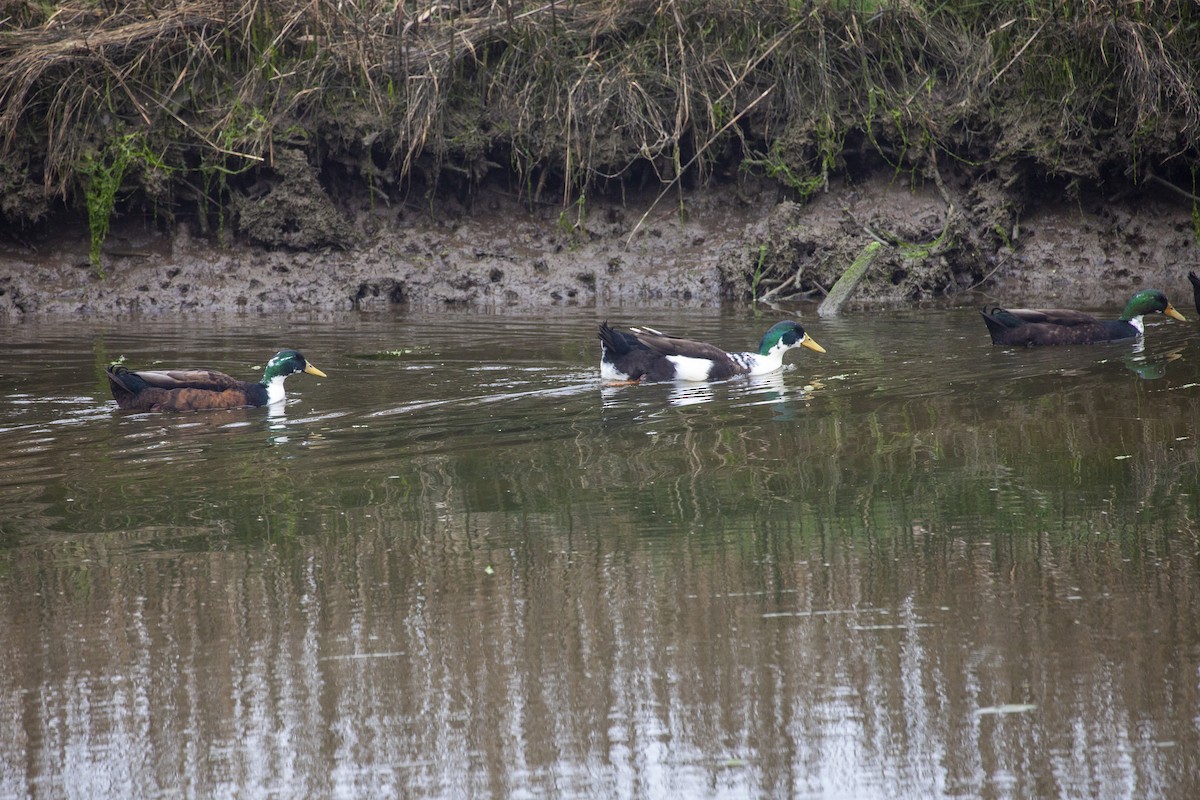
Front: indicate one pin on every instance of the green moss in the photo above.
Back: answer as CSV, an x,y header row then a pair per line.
x,y
758,270
775,165
103,176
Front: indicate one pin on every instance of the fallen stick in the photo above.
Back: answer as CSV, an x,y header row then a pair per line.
x,y
831,306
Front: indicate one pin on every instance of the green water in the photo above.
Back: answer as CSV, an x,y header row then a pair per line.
x,y
916,566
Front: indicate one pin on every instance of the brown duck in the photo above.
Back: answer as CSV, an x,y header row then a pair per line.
x,y
1033,327
203,389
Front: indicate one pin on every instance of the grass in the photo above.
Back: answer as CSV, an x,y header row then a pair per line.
x,y
561,98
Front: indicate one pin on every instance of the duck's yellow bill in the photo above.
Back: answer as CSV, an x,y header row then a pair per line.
x,y
808,342
1173,314
311,370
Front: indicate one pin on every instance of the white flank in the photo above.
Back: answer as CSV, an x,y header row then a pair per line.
x,y
608,371
690,369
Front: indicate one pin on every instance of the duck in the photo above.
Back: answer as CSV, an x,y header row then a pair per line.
x,y
1195,289
203,389
645,354
1036,327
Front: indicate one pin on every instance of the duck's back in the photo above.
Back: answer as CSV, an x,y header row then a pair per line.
x,y
1032,327
181,390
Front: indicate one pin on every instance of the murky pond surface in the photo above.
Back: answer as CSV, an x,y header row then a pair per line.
x,y
917,566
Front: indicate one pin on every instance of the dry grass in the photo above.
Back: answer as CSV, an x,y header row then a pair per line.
x,y
593,93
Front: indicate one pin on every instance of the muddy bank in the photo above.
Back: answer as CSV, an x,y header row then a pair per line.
x,y
721,243
291,155
498,252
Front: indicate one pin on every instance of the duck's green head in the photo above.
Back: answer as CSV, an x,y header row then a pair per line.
x,y
1150,301
288,362
788,335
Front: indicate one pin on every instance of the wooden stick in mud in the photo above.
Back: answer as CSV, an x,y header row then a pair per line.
x,y
831,306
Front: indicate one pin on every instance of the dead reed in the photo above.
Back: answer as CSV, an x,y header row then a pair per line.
x,y
570,95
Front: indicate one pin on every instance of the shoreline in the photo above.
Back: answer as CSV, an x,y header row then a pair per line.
x,y
500,252
288,155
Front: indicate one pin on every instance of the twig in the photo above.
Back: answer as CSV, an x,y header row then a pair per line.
x,y
789,282
699,152
1017,55
983,280
1175,188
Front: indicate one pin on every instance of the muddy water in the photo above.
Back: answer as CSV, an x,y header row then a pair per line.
x,y
917,566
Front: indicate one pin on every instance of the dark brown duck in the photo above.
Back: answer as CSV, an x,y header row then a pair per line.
x,y
203,389
1035,327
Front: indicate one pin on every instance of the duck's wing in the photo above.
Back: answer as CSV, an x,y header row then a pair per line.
x,y
205,379
181,390
667,345
1050,316
1006,331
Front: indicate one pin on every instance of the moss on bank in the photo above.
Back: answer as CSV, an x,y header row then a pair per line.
x,y
412,101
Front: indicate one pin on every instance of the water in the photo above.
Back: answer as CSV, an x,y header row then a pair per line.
x,y
917,566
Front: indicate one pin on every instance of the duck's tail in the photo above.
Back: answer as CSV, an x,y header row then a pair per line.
x,y
617,343
123,382
998,320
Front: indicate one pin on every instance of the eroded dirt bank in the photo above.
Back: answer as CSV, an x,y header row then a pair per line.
x,y
703,247
292,155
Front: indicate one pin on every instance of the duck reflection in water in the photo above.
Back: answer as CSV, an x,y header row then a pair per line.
x,y
771,389
277,423
1152,368
690,394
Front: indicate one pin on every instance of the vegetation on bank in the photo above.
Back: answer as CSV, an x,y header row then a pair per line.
x,y
185,107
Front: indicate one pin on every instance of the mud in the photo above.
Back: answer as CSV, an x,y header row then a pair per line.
x,y
703,247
